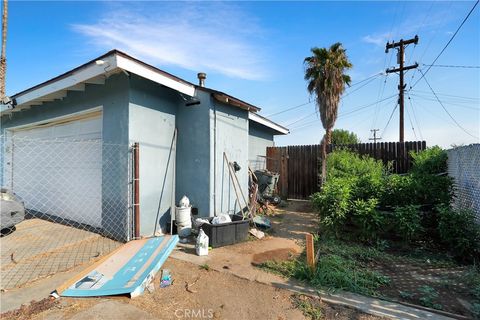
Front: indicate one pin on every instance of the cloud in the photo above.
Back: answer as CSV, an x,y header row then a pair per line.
x,y
420,23
378,39
212,37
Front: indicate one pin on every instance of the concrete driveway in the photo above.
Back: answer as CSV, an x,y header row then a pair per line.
x,y
39,249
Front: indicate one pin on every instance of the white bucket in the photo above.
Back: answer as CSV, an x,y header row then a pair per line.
x,y
183,216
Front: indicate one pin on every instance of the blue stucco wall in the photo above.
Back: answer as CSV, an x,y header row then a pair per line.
x,y
152,123
113,98
193,153
259,138
138,110
229,136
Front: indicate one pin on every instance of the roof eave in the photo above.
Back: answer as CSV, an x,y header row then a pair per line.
x,y
268,123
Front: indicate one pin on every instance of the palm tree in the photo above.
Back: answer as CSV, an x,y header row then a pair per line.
x,y
3,59
324,72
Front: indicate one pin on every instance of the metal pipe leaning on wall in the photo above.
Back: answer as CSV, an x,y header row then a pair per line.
x,y
136,189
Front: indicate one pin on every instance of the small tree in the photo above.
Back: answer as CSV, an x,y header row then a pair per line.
x,y
341,136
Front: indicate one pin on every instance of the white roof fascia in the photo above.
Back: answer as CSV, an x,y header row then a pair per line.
x,y
92,71
155,76
267,123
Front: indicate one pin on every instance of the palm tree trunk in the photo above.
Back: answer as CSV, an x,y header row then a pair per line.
x,y
323,177
3,58
327,139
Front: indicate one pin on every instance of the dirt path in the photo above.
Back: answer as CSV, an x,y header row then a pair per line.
x,y
294,221
214,295
231,288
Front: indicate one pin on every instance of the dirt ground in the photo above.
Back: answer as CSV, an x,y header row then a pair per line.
x,y
211,295
431,284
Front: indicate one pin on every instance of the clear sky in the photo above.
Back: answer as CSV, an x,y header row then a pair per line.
x,y
255,51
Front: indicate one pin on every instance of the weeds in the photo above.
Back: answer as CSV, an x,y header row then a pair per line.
x,y
340,266
429,295
205,267
311,309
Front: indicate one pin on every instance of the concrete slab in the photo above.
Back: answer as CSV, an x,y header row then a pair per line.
x,y
39,248
38,290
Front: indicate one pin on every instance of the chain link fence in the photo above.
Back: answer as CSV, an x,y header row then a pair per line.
x,y
464,168
77,200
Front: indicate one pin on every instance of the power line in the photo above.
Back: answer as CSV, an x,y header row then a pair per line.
x,y
290,108
389,119
411,123
450,66
447,95
444,16
349,93
344,114
439,101
310,101
448,43
414,116
301,119
449,103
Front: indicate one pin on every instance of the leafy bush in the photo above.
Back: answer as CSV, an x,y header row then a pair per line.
x,y
333,202
368,219
398,190
366,173
408,222
429,161
346,164
433,190
459,232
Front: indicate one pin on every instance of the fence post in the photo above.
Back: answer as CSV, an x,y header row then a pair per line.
x,y
310,251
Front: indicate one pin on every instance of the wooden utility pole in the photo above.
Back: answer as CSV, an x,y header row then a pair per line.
x,y
400,61
3,58
375,135
375,140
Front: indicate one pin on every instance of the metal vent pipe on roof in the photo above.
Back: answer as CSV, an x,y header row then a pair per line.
x,y
201,78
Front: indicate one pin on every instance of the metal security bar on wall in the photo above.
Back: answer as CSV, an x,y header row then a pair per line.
x,y
299,165
83,184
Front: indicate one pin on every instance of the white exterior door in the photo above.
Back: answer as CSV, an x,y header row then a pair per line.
x,y
56,168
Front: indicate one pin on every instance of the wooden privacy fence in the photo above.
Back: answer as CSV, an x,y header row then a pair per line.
x,y
299,166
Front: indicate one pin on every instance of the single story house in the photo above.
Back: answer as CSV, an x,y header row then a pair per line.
x,y
114,101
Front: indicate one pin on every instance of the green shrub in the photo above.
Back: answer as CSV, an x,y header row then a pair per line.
x,y
398,190
344,163
333,202
366,173
432,190
367,218
429,161
408,222
459,231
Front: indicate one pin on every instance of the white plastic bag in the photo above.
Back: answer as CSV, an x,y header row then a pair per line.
x,y
221,218
184,202
201,247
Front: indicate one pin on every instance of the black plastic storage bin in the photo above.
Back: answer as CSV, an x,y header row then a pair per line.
x,y
224,234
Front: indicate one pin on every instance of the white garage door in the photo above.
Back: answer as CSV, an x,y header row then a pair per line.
x,y
57,168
